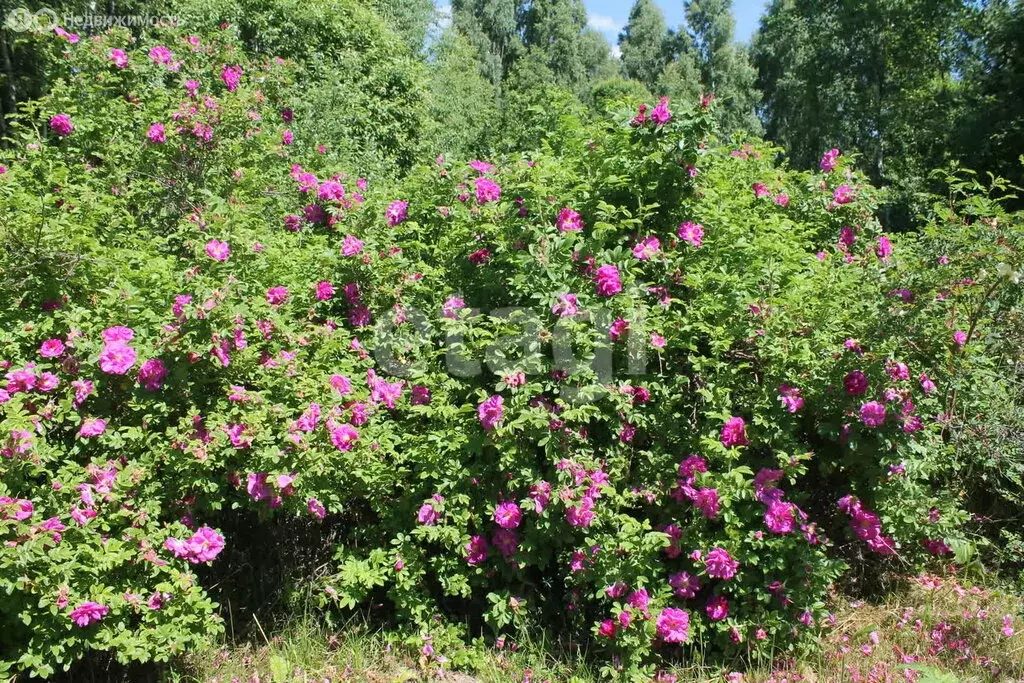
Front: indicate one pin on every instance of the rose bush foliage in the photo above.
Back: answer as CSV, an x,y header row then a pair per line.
x,y
639,384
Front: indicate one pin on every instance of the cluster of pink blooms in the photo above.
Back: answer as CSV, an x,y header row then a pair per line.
x,y
568,221
17,509
791,398
61,125
487,191
647,248
734,432
828,160
659,115
117,357
691,233
203,546
490,412
88,613
396,212
607,281
866,525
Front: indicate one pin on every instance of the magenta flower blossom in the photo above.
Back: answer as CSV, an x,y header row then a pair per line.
x,y
397,212
116,358
872,414
607,629
506,541
490,412
661,115
452,306
277,295
476,550
343,436
156,133
568,221
160,54
204,545
287,137
507,515
487,191
351,245
92,427
647,248
780,517
684,585
218,251
88,613
734,432
152,374
607,281
847,236
331,191
51,348
927,385
420,395
897,371
717,608
884,249
540,494
18,509
324,291
843,194
828,160
692,233
581,515
673,625
341,384
856,383
316,508
706,500
61,125
428,514
231,75
720,565
960,338
761,190
618,329
480,257
781,199
480,166
567,306
119,58
118,333
791,398
83,389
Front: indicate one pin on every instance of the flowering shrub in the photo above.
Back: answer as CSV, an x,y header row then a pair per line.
x,y
624,388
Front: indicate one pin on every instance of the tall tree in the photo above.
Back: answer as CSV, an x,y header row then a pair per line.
x,y
876,77
492,27
725,66
553,31
596,53
643,43
411,19
990,133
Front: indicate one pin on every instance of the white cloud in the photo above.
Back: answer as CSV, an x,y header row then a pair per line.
x,y
604,24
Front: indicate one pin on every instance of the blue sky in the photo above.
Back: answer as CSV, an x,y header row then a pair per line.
x,y
609,16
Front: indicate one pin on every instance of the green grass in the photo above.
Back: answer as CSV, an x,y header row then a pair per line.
x,y
866,637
